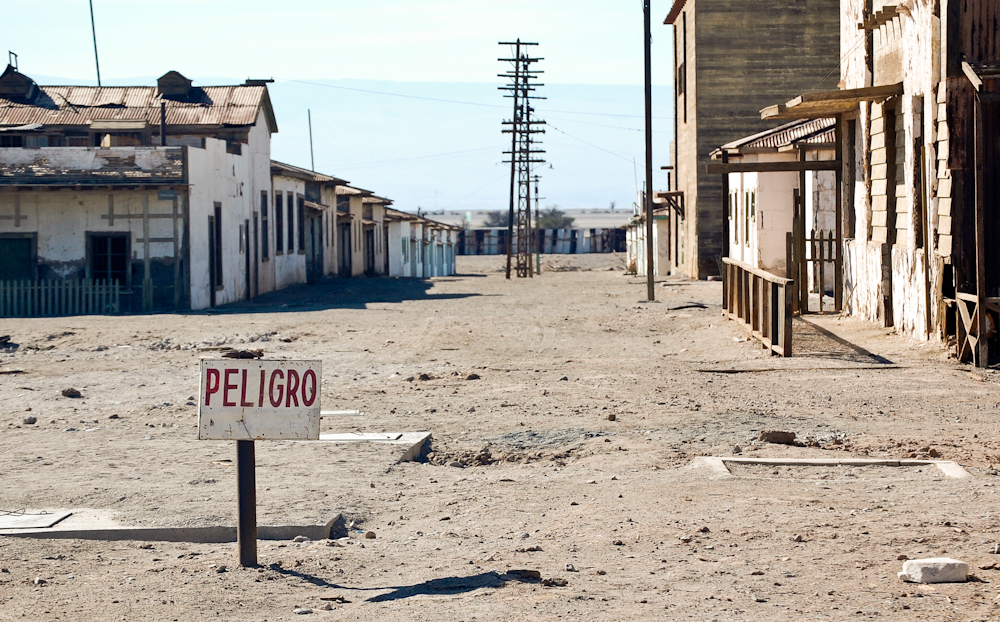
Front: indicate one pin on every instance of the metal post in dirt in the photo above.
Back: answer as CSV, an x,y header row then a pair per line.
x,y
648,200
245,400
246,493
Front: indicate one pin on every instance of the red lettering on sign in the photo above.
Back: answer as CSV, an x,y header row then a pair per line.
x,y
293,386
260,400
243,392
227,387
270,389
309,379
209,387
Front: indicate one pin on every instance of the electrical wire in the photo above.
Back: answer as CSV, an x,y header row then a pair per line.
x,y
414,158
617,155
456,101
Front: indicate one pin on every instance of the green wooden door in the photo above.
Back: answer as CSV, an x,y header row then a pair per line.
x,y
16,261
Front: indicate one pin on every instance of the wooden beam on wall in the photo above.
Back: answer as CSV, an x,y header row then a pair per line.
x,y
720,168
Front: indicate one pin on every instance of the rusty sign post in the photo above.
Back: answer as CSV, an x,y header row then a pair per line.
x,y
249,400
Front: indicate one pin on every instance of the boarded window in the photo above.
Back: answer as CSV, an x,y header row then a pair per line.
x,y
109,257
279,227
265,247
291,223
218,244
302,224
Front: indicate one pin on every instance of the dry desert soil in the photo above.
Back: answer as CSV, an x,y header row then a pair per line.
x,y
527,477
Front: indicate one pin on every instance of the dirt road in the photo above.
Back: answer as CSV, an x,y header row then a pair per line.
x,y
521,378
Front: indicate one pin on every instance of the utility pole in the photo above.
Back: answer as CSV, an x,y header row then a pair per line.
x,y
93,31
312,158
648,199
522,154
534,230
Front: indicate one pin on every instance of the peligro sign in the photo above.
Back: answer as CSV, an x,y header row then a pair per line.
x,y
259,400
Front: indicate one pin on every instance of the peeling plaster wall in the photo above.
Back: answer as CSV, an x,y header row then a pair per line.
x,y
61,220
908,291
906,49
328,196
863,271
399,248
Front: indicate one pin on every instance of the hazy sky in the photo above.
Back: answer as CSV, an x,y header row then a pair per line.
x,y
585,41
416,151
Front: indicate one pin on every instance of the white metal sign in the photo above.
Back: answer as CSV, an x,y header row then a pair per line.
x,y
247,400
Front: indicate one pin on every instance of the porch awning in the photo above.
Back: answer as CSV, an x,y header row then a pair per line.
x,y
828,104
316,206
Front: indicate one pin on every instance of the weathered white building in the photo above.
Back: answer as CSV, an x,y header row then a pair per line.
x,y
918,123
764,206
419,247
162,190
304,218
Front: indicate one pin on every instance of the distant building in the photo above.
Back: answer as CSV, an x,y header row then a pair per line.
x,y
418,246
730,60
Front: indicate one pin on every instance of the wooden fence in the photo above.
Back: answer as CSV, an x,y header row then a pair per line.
x,y
761,302
53,298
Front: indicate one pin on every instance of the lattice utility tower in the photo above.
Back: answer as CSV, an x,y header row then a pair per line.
x,y
523,153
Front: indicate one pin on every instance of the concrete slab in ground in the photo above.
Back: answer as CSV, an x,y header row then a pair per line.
x,y
90,524
31,519
718,464
415,442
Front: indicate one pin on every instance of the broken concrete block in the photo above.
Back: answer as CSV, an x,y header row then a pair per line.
x,y
777,436
935,570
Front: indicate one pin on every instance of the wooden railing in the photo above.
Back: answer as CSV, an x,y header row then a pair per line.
x,y
762,302
53,298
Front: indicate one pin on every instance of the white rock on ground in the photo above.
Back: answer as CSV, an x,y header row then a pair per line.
x,y
935,570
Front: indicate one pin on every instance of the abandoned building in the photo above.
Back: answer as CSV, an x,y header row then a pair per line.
x,y
154,189
729,61
763,223
418,246
139,199
917,165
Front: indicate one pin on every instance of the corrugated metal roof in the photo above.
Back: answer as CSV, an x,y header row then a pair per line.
x,y
352,191
78,105
375,200
302,173
807,131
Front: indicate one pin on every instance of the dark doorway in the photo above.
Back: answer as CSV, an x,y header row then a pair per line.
x,y
17,258
344,250
991,195
246,258
256,268
370,251
314,246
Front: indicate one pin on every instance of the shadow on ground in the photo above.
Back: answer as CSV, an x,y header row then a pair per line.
x,y
813,341
455,585
340,294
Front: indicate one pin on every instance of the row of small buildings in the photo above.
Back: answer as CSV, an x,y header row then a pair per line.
x,y
850,145
169,193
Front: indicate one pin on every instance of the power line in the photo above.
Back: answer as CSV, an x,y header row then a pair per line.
x,y
617,155
456,101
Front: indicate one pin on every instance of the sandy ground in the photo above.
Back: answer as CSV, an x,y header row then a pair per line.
x,y
543,480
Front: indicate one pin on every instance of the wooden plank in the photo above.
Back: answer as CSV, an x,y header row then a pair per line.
x,y
720,168
944,245
970,73
944,225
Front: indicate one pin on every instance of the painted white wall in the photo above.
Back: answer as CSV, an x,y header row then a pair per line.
x,y
289,266
917,35
61,220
